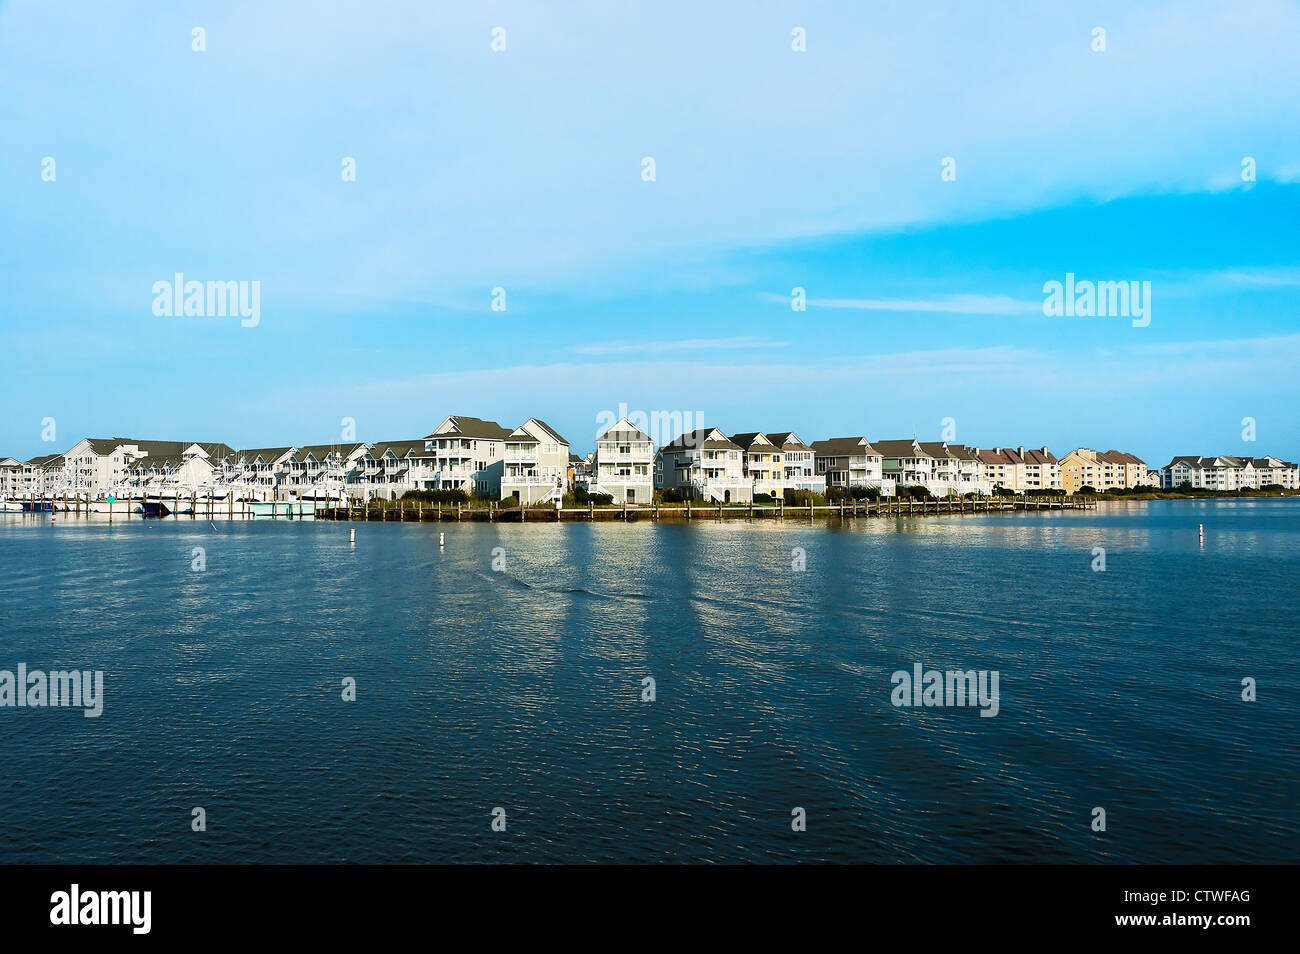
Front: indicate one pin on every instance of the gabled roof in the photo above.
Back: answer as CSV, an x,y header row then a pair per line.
x,y
938,449
749,439
905,448
45,460
787,440
709,438
461,425
623,429
322,451
1123,457
400,449
269,454
843,447
522,431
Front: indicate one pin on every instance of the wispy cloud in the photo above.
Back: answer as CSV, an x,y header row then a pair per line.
x,y
947,304
689,344
960,304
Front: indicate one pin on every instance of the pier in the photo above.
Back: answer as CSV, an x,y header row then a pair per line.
x,y
887,507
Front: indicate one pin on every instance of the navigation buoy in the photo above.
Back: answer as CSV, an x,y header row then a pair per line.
x,y
442,540
352,537
1200,530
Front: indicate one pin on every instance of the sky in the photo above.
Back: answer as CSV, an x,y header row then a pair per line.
x,y
920,171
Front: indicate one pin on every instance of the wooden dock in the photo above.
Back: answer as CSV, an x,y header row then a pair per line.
x,y
892,507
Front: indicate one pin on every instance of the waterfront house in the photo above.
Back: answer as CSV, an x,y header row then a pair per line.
x,y
622,466
9,472
799,463
254,473
848,462
97,466
469,455
176,475
320,469
908,464
705,464
536,463
388,469
763,463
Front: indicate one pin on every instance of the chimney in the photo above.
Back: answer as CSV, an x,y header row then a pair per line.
x,y
1021,450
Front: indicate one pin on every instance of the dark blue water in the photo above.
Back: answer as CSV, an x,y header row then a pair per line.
x,y
522,689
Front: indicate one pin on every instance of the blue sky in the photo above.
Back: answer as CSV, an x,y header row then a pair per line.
x,y
774,169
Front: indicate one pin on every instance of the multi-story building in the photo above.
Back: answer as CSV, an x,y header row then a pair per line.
x,y
848,462
469,455
707,464
97,466
1020,470
536,463
798,462
1229,473
255,473
763,463
9,472
320,469
908,464
623,464
1101,470
388,469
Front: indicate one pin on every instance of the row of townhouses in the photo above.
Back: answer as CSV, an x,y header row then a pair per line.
x,y
466,453
1229,473
534,463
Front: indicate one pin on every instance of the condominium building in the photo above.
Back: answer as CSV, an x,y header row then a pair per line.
x,y
1020,470
320,468
1229,473
536,463
1101,470
388,469
254,473
708,465
469,454
623,464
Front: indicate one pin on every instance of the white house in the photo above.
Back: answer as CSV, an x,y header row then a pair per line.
x,y
469,455
622,465
536,463
849,462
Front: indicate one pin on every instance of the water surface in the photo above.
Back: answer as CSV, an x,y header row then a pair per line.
x,y
521,688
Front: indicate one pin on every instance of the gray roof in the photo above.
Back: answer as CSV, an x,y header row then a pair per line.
x,y
906,448
700,437
843,447
787,440
476,428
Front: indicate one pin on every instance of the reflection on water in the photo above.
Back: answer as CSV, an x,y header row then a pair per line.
x,y
522,688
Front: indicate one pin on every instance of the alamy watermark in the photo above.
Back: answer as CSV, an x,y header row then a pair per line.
x,y
214,299
1086,299
661,427
925,688
57,689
